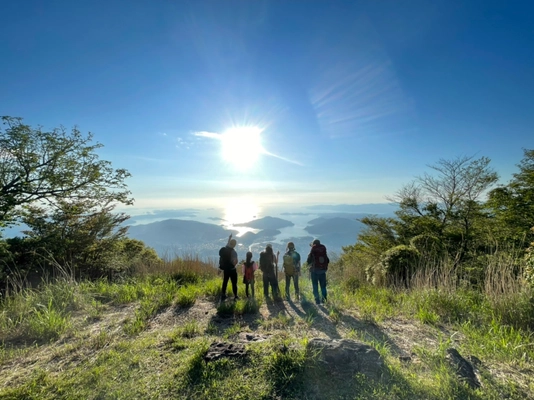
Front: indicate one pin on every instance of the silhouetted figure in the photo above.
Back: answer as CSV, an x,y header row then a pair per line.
x,y
227,263
318,262
249,267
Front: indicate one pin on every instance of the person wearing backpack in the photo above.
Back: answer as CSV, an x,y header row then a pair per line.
x,y
318,262
227,263
267,264
291,263
249,267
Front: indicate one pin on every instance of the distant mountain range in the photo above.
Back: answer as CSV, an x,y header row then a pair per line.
x,y
175,237
179,233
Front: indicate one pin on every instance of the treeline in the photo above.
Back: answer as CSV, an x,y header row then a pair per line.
x,y
453,221
55,183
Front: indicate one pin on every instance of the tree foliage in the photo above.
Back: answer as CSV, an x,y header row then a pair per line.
x,y
512,205
55,183
51,167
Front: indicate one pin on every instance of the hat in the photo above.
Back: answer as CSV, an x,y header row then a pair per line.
x,y
291,245
316,241
232,243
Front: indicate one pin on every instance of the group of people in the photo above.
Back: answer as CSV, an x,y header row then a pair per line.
x,y
317,261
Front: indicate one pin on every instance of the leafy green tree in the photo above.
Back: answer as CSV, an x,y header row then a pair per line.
x,y
48,167
512,205
446,204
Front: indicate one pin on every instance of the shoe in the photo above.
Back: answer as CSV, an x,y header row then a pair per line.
x,y
317,302
236,298
223,298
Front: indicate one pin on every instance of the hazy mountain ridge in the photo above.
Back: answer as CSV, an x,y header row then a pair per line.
x,y
267,223
175,237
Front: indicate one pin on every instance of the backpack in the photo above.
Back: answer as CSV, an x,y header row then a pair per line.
x,y
225,258
320,259
249,271
289,264
266,263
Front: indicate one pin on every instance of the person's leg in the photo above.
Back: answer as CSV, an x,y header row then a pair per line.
x,y
252,283
288,283
296,284
266,283
233,278
322,282
315,287
246,288
224,284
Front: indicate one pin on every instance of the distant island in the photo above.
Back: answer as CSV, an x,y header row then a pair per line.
x,y
267,223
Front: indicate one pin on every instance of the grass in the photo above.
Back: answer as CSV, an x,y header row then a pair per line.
x,y
94,340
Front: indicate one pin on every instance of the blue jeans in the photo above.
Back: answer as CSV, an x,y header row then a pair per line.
x,y
318,277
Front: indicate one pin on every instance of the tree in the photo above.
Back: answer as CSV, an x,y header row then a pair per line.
x,y
512,205
446,204
49,167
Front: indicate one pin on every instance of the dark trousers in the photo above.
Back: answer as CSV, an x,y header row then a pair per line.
x,y
295,284
251,284
318,278
270,280
232,275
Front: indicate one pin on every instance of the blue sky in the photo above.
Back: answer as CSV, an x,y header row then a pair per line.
x,y
347,100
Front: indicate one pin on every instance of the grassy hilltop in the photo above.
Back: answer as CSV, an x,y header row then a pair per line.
x,y
145,338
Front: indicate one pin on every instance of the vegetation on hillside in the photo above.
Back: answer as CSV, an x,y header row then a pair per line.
x,y
86,312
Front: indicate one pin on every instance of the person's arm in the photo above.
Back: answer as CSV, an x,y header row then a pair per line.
x,y
254,266
243,268
229,238
234,258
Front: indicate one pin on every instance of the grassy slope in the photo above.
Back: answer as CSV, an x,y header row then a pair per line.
x,y
146,339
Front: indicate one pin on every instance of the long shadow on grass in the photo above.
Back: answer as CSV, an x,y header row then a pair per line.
x,y
318,320
370,332
230,313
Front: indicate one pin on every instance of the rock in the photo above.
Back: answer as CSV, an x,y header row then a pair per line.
x,y
346,358
464,369
252,337
218,350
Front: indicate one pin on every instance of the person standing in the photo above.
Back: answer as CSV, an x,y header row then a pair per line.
x,y
267,264
291,263
227,263
249,267
318,262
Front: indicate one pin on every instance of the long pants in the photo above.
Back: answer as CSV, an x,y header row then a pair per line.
x,y
295,284
251,284
232,275
318,277
270,280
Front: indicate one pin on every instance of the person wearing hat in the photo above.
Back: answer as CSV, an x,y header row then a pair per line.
x,y
227,262
291,265
318,262
267,264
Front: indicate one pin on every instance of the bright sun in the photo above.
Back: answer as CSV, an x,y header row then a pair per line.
x,y
242,144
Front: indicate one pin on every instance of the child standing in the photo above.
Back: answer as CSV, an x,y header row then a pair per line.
x,y
249,267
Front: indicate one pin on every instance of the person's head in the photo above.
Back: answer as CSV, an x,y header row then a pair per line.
x,y
316,241
249,256
291,246
232,243
269,248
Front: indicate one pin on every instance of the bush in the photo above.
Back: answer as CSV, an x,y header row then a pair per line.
x,y
399,264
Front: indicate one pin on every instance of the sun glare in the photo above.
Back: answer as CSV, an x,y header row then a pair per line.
x,y
241,146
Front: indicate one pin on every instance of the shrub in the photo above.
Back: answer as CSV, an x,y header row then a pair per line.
x,y
399,263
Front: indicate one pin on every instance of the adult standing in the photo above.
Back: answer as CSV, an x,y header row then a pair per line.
x,y
318,262
267,265
291,263
227,263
